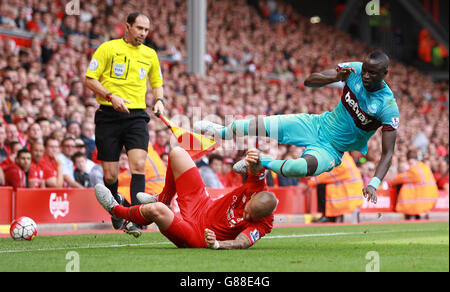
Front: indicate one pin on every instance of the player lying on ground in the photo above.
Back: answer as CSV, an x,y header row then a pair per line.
x,y
237,220
367,103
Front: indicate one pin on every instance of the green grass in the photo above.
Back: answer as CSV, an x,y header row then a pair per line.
x,y
401,247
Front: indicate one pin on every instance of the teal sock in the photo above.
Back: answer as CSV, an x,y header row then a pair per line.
x,y
238,128
288,168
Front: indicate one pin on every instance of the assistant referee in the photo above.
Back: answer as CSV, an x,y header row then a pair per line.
x,y
118,74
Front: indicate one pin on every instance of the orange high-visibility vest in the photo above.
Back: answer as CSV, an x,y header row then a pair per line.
x,y
419,191
344,185
155,176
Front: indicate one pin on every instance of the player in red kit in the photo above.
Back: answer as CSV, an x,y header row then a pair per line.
x,y
236,220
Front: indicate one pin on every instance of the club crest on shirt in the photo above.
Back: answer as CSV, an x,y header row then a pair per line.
x,y
93,65
119,69
395,122
254,235
142,73
373,109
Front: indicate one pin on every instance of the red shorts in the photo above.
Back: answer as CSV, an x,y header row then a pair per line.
x,y
193,201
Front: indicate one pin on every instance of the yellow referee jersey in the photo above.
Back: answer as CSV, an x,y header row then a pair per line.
x,y
123,69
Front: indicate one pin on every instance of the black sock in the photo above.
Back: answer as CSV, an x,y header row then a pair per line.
x,y
113,188
137,185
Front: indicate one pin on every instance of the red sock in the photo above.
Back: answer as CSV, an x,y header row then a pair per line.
x,y
130,213
170,189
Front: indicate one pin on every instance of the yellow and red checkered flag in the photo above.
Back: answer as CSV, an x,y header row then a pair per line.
x,y
195,144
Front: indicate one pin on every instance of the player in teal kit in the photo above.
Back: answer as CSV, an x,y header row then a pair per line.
x,y
367,103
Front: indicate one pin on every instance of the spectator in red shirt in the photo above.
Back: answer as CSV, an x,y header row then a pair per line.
x,y
51,164
13,148
2,178
161,144
3,150
442,175
40,176
227,176
17,173
34,135
36,172
35,23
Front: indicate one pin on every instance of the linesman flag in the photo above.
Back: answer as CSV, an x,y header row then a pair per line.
x,y
196,145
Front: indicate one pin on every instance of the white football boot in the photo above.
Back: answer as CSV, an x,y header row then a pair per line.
x,y
208,128
145,198
105,198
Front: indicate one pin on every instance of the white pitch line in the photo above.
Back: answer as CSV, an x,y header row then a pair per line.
x,y
84,247
266,237
348,233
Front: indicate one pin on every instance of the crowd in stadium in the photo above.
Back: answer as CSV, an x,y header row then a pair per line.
x,y
45,106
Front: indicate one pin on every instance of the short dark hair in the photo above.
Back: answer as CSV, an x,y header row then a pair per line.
x,y
47,139
412,154
67,138
78,155
380,56
14,143
41,119
131,18
21,151
213,157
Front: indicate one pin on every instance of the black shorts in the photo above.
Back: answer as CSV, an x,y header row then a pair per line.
x,y
114,130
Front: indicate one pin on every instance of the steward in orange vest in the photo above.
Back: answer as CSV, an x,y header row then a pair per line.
x,y
343,190
155,176
418,193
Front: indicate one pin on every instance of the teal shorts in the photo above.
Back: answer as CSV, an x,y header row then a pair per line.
x,y
304,130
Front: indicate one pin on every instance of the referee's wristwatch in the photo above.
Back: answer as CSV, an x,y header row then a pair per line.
x,y
108,96
160,99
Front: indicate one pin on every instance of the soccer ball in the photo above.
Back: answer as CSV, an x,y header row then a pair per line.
x,y
23,228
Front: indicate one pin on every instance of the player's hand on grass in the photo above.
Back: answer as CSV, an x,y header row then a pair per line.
x,y
118,104
370,194
210,238
344,73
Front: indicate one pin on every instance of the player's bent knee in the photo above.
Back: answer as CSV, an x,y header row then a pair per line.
x,y
154,210
158,213
177,152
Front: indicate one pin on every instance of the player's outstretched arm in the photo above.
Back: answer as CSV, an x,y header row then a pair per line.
x,y
388,145
240,242
326,77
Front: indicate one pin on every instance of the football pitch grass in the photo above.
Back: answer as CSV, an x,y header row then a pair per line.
x,y
343,248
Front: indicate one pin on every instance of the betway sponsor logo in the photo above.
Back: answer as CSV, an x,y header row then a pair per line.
x,y
59,205
362,119
355,107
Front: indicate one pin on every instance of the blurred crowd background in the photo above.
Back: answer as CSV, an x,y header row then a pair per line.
x,y
258,54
